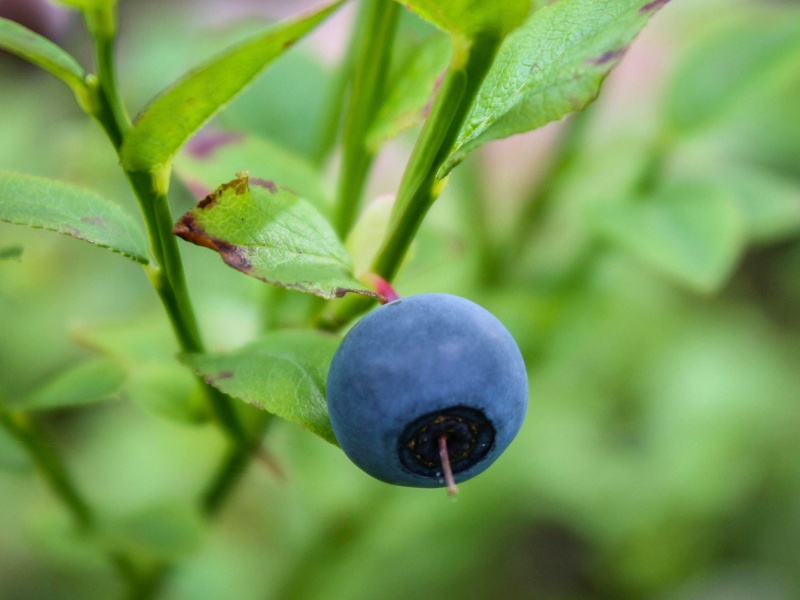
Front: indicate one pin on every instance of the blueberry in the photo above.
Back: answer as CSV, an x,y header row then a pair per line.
x,y
424,374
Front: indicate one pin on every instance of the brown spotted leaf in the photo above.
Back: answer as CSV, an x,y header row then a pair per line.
x,y
551,66
270,233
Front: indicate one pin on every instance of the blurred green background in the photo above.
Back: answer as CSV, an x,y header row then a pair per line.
x,y
660,457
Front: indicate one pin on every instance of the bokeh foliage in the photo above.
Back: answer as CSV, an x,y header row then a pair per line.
x,y
654,294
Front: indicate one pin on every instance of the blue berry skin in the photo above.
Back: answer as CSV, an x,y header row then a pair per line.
x,y
418,368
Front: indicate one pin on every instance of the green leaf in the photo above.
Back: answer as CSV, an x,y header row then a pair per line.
x,y
174,116
736,71
283,373
769,202
211,157
551,66
63,208
11,253
43,53
472,17
271,234
411,92
89,382
692,232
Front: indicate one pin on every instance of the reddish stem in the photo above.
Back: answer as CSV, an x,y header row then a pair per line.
x,y
444,456
384,288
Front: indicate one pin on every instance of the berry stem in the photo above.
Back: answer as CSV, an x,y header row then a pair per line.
x,y
444,456
384,288
421,184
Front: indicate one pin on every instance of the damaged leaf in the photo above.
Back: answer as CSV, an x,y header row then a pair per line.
x,y
270,233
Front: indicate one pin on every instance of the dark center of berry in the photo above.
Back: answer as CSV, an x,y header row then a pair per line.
x,y
467,432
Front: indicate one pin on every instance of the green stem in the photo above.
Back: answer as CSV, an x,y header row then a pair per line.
x,y
369,78
335,106
420,186
340,536
169,280
31,437
104,51
111,111
104,114
168,276
230,471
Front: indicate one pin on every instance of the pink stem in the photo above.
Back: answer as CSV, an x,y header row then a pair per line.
x,y
384,288
448,471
